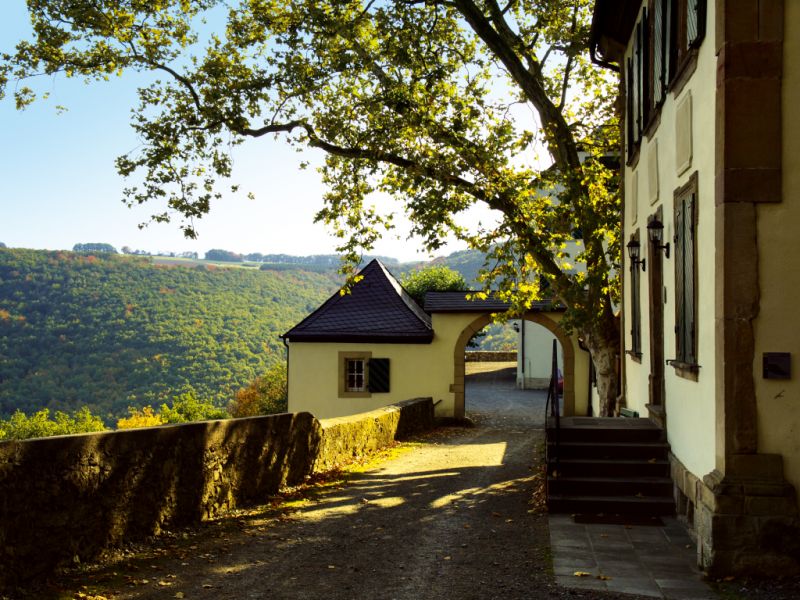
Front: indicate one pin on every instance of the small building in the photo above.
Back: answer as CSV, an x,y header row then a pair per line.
x,y
374,345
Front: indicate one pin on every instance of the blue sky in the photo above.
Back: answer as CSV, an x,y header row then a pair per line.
x,y
58,185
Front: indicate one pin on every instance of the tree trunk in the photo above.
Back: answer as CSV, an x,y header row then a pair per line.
x,y
604,351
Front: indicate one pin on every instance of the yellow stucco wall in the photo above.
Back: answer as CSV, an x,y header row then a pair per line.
x,y
416,370
690,406
777,327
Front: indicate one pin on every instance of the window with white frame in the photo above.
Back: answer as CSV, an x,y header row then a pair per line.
x,y
355,374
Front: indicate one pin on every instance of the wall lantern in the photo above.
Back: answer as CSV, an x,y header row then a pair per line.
x,y
633,253
655,231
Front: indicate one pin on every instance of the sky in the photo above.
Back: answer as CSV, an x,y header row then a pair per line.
x,y
59,187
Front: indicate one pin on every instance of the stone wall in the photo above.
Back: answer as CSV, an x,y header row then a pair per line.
x,y
68,498
490,356
746,525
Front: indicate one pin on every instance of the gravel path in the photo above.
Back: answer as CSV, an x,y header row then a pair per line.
x,y
451,515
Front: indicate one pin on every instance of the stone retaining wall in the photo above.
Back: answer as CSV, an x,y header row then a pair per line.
x,y
490,356
66,499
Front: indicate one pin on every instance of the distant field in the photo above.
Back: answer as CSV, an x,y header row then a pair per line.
x,y
194,262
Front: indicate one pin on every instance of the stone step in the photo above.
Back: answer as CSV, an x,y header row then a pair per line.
x,y
631,450
599,467
595,429
618,505
611,486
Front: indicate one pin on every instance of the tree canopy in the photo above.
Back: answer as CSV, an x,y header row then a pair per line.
x,y
436,278
442,104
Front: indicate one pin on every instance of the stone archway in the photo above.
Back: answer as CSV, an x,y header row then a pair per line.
x,y
459,383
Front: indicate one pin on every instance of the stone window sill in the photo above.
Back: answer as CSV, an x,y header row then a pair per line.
x,y
686,370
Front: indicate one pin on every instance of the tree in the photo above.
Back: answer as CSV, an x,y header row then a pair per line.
x,y
224,256
94,247
187,408
144,417
432,279
429,101
265,395
22,427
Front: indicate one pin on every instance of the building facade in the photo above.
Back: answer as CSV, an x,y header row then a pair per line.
x,y
712,206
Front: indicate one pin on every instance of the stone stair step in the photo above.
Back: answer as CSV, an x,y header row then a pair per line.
x,y
646,505
611,486
646,450
599,467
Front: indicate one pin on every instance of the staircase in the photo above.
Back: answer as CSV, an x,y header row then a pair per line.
x,y
608,466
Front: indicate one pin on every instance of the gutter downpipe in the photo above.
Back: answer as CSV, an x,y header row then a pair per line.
x,y
286,343
522,349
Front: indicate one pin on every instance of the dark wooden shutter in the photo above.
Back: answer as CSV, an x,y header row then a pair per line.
x,y
659,51
379,375
695,22
689,280
631,117
680,258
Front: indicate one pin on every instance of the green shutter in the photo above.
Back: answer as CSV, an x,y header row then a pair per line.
x,y
379,375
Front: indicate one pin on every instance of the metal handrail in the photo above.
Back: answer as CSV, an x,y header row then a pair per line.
x,y
552,409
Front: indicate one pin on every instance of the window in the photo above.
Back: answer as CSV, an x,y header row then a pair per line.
x,y
685,240
355,375
636,307
662,50
360,375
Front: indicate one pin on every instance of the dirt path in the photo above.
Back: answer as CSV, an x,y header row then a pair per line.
x,y
448,517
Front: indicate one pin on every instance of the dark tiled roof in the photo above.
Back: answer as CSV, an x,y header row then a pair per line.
x,y
377,309
440,302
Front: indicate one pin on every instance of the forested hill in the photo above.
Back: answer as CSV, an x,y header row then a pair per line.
x,y
110,331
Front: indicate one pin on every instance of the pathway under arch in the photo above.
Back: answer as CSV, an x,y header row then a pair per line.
x,y
543,319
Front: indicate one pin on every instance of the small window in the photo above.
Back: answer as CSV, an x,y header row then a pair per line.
x,y
356,375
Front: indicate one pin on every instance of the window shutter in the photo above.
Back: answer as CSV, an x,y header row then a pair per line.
x,y
695,22
631,118
379,375
659,51
689,279
680,308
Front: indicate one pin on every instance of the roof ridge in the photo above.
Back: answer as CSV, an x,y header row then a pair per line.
x,y
405,296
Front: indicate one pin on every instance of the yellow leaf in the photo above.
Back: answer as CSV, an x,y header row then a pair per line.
x,y
603,577
582,574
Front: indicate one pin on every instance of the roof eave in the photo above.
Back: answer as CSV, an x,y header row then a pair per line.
x,y
612,25
361,338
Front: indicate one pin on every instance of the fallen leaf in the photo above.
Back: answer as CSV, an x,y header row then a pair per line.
x,y
331,566
446,558
729,578
180,595
163,583
604,577
582,574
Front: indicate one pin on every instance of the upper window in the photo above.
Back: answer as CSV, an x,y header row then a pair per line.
x,y
686,276
662,45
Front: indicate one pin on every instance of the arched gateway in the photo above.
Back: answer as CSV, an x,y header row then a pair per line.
x,y
451,312
375,346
